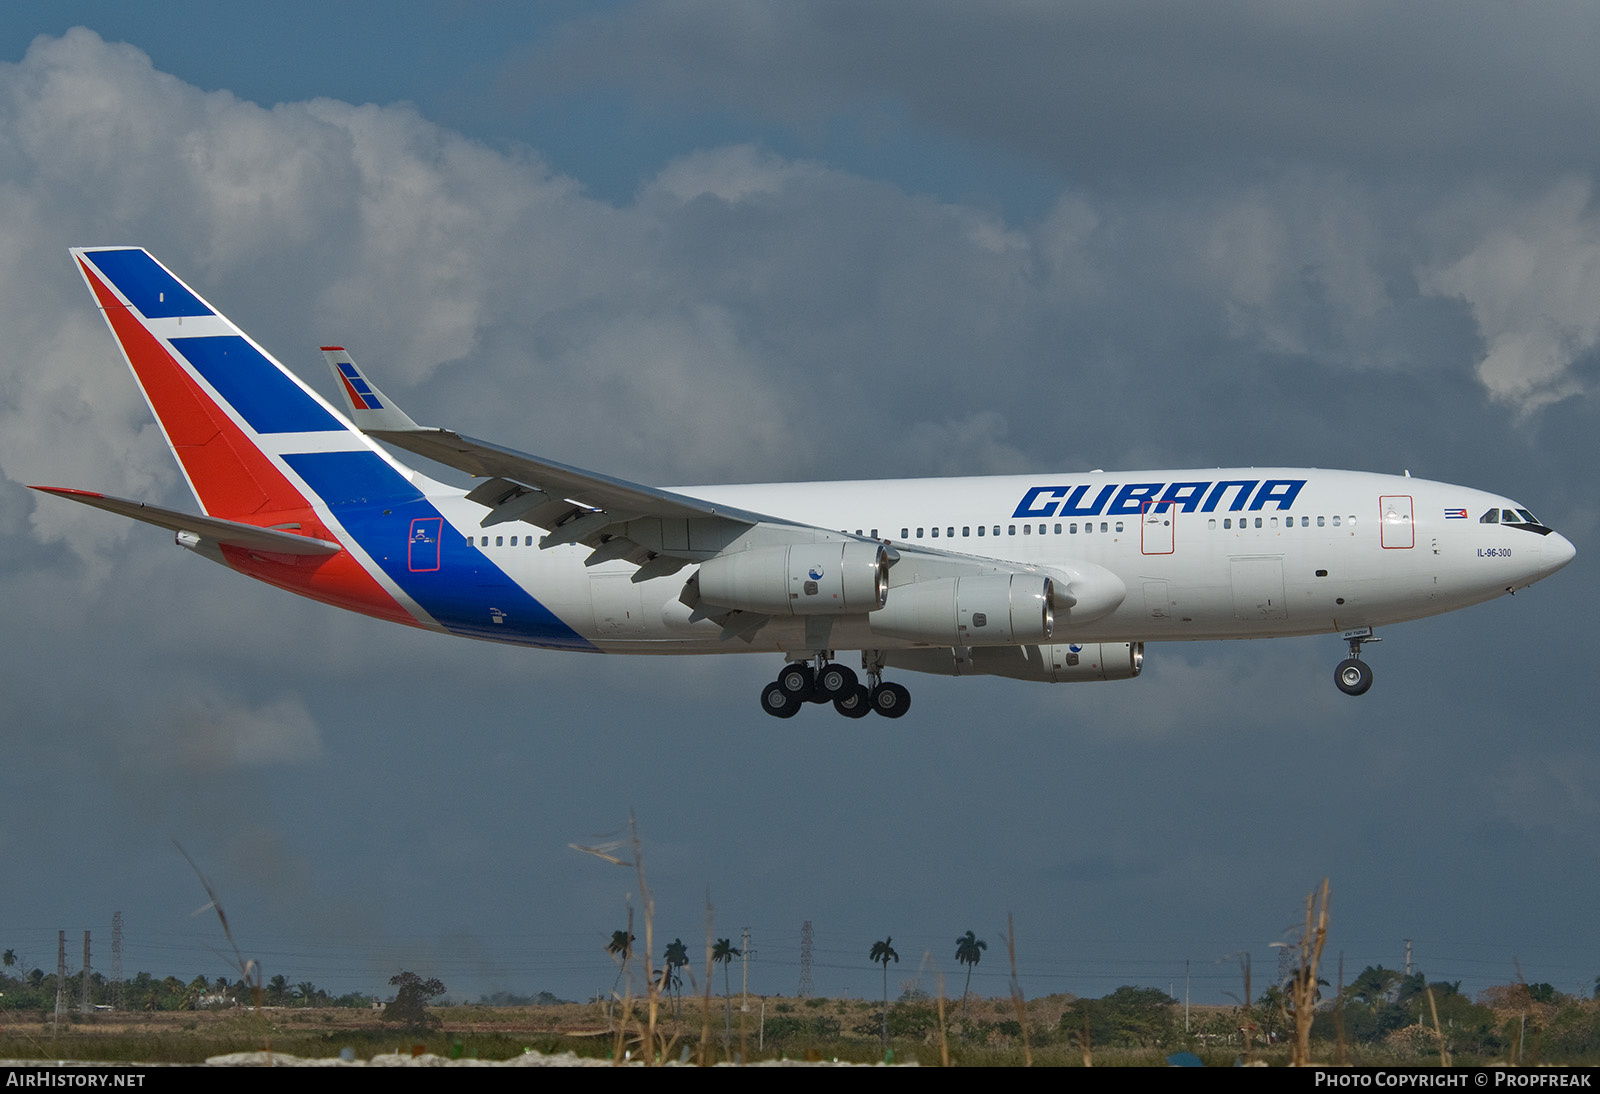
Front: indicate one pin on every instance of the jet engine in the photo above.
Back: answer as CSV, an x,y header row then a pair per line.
x,y
1058,663
828,578
989,610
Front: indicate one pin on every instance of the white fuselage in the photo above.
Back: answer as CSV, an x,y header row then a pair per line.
x,y
1348,550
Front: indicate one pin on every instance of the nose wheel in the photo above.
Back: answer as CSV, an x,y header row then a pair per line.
x,y
828,682
1354,676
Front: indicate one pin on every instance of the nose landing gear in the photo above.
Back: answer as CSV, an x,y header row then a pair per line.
x,y
1353,675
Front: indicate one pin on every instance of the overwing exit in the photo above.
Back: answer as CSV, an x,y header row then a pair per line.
x,y
1051,578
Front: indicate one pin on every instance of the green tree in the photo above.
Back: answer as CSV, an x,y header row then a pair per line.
x,y
9,958
969,951
883,953
1129,1016
621,949
676,957
723,953
409,1007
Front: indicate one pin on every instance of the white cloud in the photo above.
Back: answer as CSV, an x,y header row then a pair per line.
x,y
1532,279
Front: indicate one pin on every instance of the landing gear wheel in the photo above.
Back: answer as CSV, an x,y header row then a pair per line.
x,y
836,681
891,700
796,681
779,703
1353,676
857,704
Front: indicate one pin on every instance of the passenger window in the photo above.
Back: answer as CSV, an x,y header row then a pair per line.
x,y
1072,529
1088,526
1319,522
1227,522
1119,526
936,533
499,541
980,529
1258,522
1102,526
1305,522
1058,529
997,529
966,531
950,532
1212,523
905,533
1336,522
1027,528
1351,521
484,542
513,541
1273,522
919,533
874,533
1011,529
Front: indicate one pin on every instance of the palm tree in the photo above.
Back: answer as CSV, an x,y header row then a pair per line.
x,y
884,953
969,951
676,957
9,958
723,954
620,948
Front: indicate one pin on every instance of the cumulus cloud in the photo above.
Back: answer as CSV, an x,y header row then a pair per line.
x,y
1532,278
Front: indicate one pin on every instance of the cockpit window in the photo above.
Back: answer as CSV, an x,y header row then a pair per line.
x,y
1515,518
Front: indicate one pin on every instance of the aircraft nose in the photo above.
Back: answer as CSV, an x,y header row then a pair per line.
x,y
1556,551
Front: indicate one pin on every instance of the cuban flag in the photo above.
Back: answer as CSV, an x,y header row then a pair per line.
x,y
1455,514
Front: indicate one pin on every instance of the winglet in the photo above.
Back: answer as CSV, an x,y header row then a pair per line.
x,y
369,408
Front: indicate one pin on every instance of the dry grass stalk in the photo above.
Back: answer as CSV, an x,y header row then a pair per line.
x,y
249,971
944,1046
1340,1057
1303,989
705,1002
1017,999
655,1044
619,1049
1444,1057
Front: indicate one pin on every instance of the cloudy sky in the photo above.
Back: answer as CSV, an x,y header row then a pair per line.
x,y
714,241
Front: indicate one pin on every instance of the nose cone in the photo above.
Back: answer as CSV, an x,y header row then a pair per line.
x,y
1555,552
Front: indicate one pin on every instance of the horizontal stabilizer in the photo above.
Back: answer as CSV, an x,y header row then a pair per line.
x,y
226,533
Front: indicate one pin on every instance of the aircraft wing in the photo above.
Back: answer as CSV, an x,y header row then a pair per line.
x,y
658,530
574,505
225,533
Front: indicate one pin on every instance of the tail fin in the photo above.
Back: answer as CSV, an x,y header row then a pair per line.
x,y
233,415
257,446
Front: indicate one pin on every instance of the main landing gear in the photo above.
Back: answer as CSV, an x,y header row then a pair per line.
x,y
1353,675
801,682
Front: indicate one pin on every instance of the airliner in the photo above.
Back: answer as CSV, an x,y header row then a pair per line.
x,y
1054,578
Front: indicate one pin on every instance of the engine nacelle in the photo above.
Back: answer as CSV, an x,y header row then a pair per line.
x,y
829,578
991,610
1058,663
